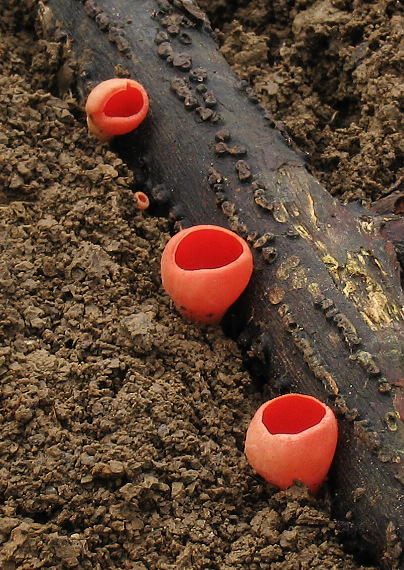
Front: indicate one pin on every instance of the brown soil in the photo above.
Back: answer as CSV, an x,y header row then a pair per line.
x,y
122,426
332,72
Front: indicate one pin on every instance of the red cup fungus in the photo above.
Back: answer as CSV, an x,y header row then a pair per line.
x,y
142,200
292,437
204,269
116,107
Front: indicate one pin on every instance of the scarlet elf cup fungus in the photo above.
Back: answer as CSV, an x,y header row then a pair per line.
x,y
116,107
292,437
142,200
204,269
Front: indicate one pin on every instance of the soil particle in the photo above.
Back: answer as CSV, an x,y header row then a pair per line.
x,y
122,426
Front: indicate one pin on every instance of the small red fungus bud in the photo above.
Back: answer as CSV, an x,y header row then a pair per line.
x,y
292,437
205,269
116,107
142,200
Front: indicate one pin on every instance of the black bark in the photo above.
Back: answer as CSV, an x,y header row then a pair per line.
x,y
324,309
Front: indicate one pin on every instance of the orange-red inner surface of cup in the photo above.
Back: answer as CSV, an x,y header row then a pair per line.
x,y
207,249
124,103
292,415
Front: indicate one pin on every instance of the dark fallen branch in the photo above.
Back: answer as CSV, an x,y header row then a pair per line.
x,y
324,308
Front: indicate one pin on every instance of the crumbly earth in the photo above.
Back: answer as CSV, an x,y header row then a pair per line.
x,y
122,426
332,72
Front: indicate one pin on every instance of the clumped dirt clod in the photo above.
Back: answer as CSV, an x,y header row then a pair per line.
x,y
121,425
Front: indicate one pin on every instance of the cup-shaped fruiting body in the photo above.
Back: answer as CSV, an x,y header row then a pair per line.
x,y
292,437
116,107
142,200
204,269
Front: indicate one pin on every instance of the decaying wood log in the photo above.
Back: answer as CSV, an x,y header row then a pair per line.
x,y
325,304
393,202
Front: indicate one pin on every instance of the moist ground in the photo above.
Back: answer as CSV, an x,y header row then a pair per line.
x,y
331,73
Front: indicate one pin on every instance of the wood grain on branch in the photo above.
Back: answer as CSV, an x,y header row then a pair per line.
x,y
325,305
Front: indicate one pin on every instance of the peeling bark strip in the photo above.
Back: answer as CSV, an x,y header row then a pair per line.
x,y
326,284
